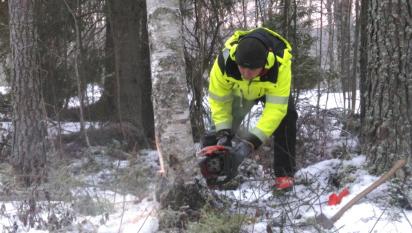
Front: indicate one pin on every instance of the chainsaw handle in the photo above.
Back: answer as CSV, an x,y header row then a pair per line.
x,y
400,163
211,150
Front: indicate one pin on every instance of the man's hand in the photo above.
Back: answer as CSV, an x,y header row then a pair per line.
x,y
224,137
236,156
219,164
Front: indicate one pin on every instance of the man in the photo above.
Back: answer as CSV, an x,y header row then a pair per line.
x,y
255,66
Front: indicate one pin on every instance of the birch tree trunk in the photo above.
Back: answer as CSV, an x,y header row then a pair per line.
x,y
28,151
170,101
387,127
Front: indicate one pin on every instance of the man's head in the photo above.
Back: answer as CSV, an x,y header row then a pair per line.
x,y
251,55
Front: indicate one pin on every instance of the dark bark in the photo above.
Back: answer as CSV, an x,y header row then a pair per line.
x,y
131,90
363,60
28,151
147,106
107,103
387,127
285,23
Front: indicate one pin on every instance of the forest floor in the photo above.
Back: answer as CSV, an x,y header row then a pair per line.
x,y
104,188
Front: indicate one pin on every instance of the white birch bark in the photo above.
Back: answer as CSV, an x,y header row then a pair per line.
x,y
170,102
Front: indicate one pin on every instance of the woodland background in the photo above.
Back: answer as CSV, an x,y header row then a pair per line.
x,y
148,61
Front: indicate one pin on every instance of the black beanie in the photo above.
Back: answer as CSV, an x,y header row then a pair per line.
x,y
251,53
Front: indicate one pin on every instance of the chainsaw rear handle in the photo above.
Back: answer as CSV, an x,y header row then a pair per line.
x,y
211,150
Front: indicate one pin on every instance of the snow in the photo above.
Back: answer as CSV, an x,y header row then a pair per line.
x,y
134,218
126,217
309,199
329,100
134,213
93,94
368,215
4,90
123,212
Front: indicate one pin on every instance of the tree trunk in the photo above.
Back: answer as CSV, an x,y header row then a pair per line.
x,y
331,36
387,127
147,106
130,68
28,151
285,23
346,49
355,57
342,14
108,101
170,102
320,56
78,66
363,60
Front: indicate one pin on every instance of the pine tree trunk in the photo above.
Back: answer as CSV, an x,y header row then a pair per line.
x,y
170,101
28,151
130,68
388,105
363,60
147,106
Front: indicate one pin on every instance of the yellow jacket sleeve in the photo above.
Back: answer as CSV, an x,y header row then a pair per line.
x,y
277,97
220,98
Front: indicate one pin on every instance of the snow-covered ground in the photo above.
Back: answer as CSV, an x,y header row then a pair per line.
x,y
93,94
310,196
291,212
111,211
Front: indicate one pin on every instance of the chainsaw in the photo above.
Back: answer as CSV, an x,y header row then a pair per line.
x,y
216,165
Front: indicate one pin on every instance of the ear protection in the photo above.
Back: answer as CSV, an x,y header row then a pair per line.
x,y
232,51
270,56
270,59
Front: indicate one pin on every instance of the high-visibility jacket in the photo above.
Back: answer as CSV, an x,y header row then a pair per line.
x,y
273,84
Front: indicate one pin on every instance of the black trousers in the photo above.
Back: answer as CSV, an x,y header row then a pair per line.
x,y
284,138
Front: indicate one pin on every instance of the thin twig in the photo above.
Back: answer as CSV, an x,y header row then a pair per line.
x,y
83,129
123,210
379,218
406,217
144,222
